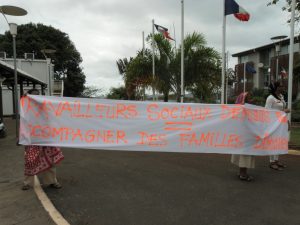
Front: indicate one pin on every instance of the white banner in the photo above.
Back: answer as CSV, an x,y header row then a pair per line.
x,y
152,126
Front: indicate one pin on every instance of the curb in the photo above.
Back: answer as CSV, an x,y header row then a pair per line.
x,y
47,204
294,152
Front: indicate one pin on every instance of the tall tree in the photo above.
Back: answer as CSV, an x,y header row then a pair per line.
x,y
32,38
288,7
202,68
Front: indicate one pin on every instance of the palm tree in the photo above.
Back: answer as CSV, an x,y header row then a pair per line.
x,y
139,72
202,67
123,65
163,73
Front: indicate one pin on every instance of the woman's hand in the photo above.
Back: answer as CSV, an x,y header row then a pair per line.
x,y
287,110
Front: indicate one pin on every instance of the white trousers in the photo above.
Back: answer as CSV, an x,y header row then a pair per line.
x,y
274,158
47,177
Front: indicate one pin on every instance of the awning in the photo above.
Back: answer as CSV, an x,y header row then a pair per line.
x,y
7,71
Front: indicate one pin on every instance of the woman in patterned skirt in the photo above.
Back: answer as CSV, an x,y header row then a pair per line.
x,y
41,160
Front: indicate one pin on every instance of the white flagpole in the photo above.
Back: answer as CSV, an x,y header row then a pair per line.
x,y
223,54
153,62
245,64
144,91
226,80
174,36
182,52
143,38
291,60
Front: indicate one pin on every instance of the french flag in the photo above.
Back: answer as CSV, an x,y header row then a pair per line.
x,y
231,7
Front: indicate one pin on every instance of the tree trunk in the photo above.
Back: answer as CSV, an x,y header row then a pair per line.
x,y
166,96
178,93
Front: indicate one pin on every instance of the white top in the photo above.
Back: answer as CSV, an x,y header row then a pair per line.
x,y
274,103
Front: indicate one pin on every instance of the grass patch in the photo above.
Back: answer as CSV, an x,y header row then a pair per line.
x,y
295,136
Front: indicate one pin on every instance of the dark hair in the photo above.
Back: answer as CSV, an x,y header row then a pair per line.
x,y
273,88
32,91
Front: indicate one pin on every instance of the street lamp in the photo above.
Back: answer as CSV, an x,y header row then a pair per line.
x,y
2,79
276,40
13,32
14,11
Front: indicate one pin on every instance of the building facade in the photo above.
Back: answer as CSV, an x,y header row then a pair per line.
x,y
42,70
270,62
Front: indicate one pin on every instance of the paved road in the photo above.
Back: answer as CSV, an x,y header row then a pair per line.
x,y
140,188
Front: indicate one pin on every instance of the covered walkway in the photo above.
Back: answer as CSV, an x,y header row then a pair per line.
x,y
24,79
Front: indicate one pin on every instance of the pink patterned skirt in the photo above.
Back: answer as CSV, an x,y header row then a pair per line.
x,y
41,158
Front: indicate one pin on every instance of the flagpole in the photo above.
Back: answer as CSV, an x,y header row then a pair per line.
x,y
143,38
277,68
144,91
226,80
223,53
244,77
182,51
153,62
174,36
291,60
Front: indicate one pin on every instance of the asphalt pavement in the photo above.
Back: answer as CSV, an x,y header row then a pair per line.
x,y
141,188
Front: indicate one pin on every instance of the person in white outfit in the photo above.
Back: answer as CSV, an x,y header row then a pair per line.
x,y
276,101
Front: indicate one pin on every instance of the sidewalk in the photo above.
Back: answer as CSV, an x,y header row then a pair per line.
x,y
17,206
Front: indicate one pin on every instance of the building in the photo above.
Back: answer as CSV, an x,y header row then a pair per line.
x,y
32,73
270,63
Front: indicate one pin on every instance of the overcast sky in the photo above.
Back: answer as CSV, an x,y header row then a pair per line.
x,y
104,31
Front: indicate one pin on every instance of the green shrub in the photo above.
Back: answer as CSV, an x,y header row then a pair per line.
x,y
257,100
296,111
296,116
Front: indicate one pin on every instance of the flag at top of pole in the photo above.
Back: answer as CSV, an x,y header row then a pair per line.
x,y
231,7
164,31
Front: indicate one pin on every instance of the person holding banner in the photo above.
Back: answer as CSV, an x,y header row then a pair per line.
x,y
276,101
244,162
41,160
